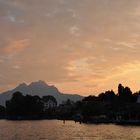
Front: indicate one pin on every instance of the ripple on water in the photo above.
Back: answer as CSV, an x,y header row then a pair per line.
x,y
56,130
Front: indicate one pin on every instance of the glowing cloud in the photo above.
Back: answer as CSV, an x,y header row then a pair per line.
x,y
81,46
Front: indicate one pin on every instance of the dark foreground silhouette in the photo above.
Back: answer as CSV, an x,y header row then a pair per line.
x,y
108,107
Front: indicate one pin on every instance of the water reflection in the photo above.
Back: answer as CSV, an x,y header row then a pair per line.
x,y
57,130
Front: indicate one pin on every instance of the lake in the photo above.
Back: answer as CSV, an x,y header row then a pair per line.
x,y
56,130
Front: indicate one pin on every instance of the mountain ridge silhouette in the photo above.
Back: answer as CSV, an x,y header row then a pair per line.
x,y
39,88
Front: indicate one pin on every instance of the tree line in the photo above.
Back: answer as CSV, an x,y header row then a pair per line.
x,y
107,106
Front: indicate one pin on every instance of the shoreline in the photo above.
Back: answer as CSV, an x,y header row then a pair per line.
x,y
115,122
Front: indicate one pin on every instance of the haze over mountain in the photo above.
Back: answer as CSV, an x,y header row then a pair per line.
x,y
39,88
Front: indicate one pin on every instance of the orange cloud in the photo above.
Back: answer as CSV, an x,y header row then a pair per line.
x,y
80,46
16,46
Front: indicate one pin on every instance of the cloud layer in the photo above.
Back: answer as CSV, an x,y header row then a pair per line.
x,y
82,46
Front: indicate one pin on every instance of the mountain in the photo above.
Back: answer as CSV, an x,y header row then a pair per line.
x,y
39,88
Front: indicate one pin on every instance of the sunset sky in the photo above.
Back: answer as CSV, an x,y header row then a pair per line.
x,y
80,46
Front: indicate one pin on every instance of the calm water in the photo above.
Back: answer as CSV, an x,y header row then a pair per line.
x,y
56,130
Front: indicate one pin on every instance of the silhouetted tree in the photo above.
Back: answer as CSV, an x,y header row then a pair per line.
x,y
90,98
125,94
24,106
108,96
2,111
49,97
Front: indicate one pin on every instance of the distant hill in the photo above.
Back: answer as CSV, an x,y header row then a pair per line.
x,y
39,88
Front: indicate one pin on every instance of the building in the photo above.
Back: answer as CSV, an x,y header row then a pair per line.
x,y
49,102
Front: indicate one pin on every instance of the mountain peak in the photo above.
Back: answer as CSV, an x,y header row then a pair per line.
x,y
23,85
38,83
41,86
